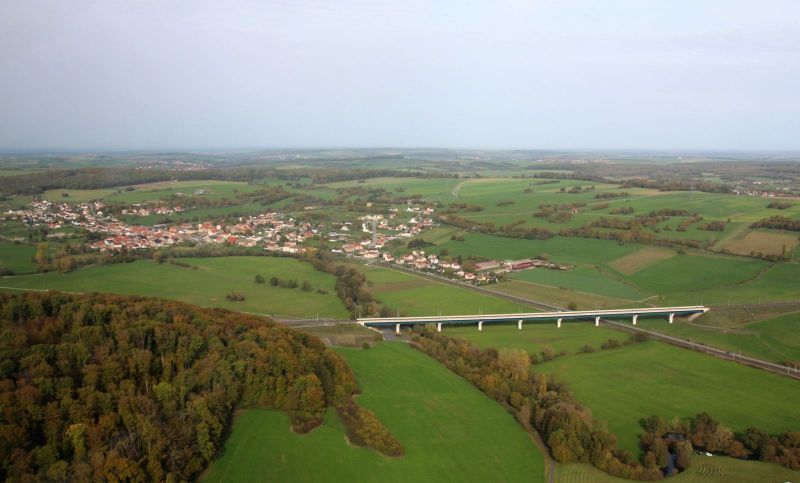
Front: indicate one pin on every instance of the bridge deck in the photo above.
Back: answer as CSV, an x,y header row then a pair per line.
x,y
489,318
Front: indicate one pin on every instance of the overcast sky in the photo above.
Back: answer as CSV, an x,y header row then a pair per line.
x,y
660,74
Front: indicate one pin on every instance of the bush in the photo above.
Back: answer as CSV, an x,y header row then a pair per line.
x,y
260,279
307,286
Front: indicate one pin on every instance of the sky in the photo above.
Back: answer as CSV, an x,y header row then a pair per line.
x,y
535,74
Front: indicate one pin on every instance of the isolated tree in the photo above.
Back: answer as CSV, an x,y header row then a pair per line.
x,y
259,278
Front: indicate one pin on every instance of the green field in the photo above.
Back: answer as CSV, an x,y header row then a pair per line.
x,y
537,336
582,279
621,386
559,296
207,285
418,296
450,432
18,258
703,469
776,339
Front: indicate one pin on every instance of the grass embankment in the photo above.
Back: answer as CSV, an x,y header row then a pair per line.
x,y
450,431
207,285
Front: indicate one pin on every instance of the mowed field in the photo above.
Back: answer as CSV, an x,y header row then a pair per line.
x,y
449,429
418,296
622,386
207,285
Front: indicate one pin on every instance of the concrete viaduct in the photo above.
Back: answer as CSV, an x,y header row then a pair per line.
x,y
398,322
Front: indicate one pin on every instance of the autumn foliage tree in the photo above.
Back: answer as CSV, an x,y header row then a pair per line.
x,y
105,387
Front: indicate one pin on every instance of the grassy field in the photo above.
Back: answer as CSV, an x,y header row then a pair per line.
x,y
450,431
583,279
17,257
537,336
559,296
207,285
776,339
690,273
768,243
419,296
630,264
703,469
621,386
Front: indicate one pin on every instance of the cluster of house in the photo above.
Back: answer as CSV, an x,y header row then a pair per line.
x,y
419,260
146,209
276,233
382,230
57,215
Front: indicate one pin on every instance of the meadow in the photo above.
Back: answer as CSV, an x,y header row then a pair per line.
x,y
449,429
621,386
207,285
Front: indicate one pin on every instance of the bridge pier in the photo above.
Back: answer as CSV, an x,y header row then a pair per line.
x,y
396,328
671,318
439,327
558,323
480,325
519,325
636,316
597,321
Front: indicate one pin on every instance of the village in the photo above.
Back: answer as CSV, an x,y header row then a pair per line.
x,y
372,238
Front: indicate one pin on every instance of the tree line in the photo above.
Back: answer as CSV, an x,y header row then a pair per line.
x,y
107,387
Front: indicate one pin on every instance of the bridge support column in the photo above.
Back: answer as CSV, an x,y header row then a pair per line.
x,y
519,325
480,325
439,327
634,318
597,321
396,328
558,323
671,318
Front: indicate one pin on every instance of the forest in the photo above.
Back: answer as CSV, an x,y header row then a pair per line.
x,y
110,388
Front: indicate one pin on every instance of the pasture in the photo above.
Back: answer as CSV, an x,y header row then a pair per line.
x,y
583,279
207,285
623,385
415,397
